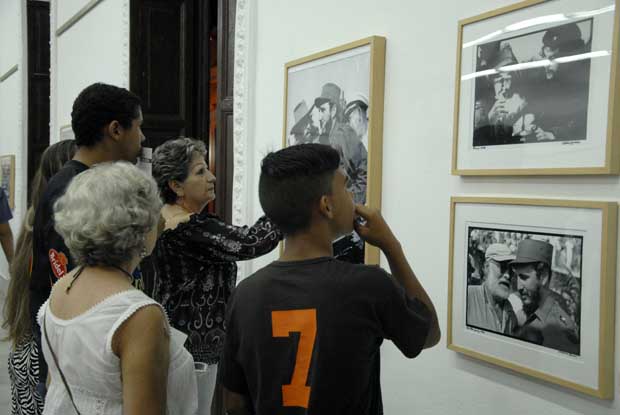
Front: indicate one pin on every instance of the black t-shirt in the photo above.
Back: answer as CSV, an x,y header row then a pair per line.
x,y
51,259
304,337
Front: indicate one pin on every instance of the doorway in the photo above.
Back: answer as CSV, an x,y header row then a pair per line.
x,y
38,24
181,65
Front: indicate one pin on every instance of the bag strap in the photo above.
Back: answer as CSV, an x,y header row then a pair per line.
x,y
62,375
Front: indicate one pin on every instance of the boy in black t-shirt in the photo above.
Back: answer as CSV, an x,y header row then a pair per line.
x,y
304,332
106,121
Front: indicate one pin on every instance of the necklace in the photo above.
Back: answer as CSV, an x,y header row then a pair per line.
x,y
81,269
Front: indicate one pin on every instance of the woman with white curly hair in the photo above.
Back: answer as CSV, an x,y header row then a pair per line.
x,y
109,347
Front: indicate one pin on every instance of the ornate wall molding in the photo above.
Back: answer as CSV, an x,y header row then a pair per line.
x,y
125,53
53,73
242,201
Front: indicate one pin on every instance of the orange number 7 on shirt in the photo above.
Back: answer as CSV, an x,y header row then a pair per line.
x,y
303,321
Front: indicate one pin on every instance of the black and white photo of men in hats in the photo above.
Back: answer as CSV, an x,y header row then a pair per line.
x,y
547,323
306,127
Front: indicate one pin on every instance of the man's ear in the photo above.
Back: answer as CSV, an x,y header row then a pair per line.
x,y
326,208
176,187
333,109
114,130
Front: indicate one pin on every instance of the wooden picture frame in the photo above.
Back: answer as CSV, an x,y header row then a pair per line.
x,y
356,72
570,348
66,133
537,144
7,177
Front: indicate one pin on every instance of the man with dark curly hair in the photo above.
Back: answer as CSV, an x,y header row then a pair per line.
x,y
106,121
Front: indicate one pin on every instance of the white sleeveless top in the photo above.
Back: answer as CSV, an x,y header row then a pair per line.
x,y
83,346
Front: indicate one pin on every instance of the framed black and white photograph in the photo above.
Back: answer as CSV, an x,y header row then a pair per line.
x,y
66,132
536,90
335,97
532,288
537,304
7,178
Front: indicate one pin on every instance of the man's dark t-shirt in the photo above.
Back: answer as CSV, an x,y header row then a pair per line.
x,y
51,259
303,337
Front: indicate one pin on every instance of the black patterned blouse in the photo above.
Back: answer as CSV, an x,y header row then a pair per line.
x,y
195,272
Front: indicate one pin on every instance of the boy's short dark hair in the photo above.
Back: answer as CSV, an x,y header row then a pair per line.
x,y
292,180
97,106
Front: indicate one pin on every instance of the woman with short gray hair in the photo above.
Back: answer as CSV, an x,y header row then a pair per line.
x,y
109,346
114,232
195,255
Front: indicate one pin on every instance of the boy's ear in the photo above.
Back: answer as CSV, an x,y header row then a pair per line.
x,y
326,208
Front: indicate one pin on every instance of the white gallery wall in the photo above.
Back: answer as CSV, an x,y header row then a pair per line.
x,y
94,49
13,103
417,184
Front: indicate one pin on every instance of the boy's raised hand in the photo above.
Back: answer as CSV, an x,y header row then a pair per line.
x,y
375,230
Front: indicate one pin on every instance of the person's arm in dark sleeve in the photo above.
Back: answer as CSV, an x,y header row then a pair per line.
x,y
405,276
51,261
209,236
377,232
6,235
405,320
60,262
